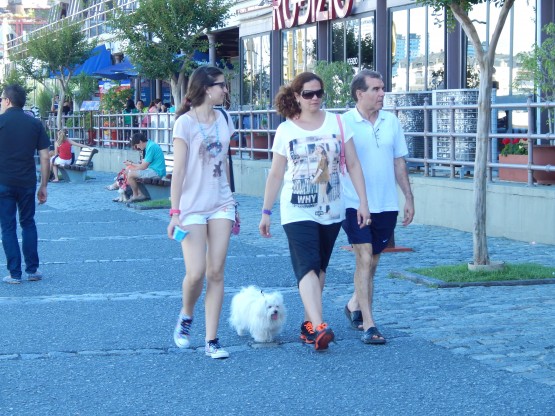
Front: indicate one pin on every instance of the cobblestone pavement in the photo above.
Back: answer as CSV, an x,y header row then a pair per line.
x,y
111,296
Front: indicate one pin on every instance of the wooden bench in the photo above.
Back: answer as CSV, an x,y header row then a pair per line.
x,y
158,188
77,172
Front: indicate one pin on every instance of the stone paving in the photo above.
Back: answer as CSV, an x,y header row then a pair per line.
x,y
509,329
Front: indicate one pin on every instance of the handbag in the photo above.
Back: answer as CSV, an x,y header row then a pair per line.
x,y
342,162
237,224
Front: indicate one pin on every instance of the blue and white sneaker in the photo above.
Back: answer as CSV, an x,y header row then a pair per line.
x,y
214,349
12,280
34,277
182,331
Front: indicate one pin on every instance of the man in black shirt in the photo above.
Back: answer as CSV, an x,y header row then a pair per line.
x,y
21,136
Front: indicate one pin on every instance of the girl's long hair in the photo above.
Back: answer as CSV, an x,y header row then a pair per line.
x,y
202,78
61,137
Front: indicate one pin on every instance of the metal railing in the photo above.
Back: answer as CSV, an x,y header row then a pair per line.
x,y
253,138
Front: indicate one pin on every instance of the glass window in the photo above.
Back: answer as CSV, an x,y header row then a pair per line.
x,y
417,51
299,51
367,42
353,42
436,52
518,35
399,52
523,36
338,42
256,72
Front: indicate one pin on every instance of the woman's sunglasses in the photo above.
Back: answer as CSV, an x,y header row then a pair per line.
x,y
309,95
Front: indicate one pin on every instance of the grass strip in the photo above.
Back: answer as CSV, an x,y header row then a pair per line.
x,y
154,204
460,273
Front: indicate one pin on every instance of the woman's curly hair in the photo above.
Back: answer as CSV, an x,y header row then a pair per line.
x,y
285,102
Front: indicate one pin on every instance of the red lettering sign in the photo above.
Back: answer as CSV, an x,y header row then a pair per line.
x,y
287,13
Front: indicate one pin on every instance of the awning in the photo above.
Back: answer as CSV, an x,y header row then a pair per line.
x,y
122,70
100,57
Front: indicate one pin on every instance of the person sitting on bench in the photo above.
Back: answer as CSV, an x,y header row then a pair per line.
x,y
152,165
62,152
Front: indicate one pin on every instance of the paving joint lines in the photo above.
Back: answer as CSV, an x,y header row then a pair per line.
x,y
91,297
247,346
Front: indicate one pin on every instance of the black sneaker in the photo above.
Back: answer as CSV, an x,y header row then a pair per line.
x,y
307,332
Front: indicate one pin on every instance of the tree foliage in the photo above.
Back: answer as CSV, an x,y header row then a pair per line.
x,y
538,70
15,76
113,101
82,87
337,77
56,53
161,36
464,6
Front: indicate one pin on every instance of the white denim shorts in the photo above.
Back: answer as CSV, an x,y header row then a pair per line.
x,y
227,213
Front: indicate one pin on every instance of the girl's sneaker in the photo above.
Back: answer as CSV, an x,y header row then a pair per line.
x,y
182,331
214,349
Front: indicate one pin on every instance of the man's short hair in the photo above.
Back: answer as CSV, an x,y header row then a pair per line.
x,y
137,138
359,81
17,95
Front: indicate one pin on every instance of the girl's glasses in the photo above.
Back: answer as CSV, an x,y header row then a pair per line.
x,y
309,95
221,84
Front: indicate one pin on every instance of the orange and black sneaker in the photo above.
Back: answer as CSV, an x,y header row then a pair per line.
x,y
307,332
324,336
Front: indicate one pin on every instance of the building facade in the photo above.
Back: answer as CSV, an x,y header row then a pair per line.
x,y
270,41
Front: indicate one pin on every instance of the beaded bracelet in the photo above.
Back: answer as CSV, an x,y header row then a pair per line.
x,y
267,212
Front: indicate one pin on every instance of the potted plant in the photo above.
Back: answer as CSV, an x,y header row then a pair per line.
x,y
514,152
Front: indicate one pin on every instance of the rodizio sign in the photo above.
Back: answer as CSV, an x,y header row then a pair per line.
x,y
287,13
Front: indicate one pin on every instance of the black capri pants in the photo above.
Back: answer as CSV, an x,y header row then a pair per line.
x,y
310,245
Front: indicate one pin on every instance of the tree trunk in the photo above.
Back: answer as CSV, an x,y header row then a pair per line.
x,y
176,87
62,97
480,244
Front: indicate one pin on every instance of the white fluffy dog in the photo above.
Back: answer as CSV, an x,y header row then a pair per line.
x,y
259,313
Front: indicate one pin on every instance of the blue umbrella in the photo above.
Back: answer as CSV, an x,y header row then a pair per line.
x,y
122,70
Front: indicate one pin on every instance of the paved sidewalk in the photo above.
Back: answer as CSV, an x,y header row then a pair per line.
x,y
95,337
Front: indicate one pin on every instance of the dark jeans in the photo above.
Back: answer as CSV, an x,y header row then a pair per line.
x,y
13,199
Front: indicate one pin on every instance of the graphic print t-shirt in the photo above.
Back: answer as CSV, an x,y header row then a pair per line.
x,y
311,189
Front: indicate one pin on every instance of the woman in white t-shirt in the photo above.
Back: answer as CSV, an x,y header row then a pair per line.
x,y
202,202
308,149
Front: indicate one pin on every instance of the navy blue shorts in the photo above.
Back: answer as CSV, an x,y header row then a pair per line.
x,y
310,245
377,233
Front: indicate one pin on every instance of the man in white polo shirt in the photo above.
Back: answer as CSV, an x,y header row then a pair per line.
x,y
381,147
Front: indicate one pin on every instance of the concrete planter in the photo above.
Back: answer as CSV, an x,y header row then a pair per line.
x,y
513,175
544,155
258,141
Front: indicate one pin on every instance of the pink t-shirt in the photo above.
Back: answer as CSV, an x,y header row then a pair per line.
x,y
205,189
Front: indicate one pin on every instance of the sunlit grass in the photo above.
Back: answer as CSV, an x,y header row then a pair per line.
x,y
154,203
460,273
